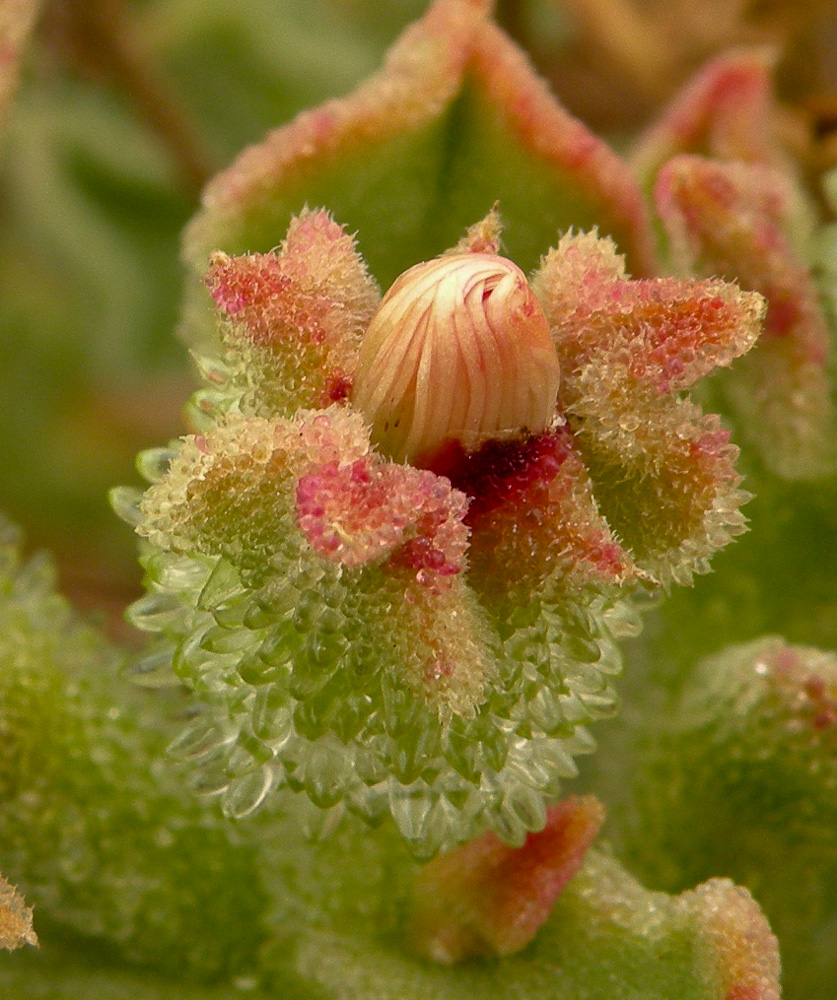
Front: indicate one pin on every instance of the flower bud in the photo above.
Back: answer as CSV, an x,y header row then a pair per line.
x,y
458,350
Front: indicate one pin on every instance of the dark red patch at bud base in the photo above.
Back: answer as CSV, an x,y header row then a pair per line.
x,y
531,511
500,471
337,388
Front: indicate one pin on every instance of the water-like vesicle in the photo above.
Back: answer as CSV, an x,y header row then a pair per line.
x,y
325,649
155,612
253,670
352,718
401,706
224,584
461,752
370,802
327,772
184,575
546,712
211,779
494,747
245,795
125,501
231,614
199,666
154,669
308,677
624,620
573,709
202,740
558,759
412,753
221,639
282,598
204,407
281,645
410,807
527,806
319,824
581,648
271,716
242,762
257,616
153,463
211,369
370,766
601,705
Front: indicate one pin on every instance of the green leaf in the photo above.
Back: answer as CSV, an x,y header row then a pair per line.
x,y
454,121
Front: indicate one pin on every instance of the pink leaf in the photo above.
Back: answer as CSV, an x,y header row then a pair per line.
x,y
489,898
725,111
295,317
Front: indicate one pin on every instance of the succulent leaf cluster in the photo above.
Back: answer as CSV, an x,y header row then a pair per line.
x,y
435,469
429,641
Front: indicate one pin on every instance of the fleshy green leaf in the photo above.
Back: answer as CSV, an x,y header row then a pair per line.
x,y
100,839
732,206
725,111
742,779
454,121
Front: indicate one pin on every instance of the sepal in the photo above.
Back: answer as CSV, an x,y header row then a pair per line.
x,y
663,472
292,319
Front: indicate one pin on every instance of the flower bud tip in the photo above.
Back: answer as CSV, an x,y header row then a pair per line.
x,y
458,350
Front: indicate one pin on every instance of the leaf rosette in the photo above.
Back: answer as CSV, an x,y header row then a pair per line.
x,y
422,622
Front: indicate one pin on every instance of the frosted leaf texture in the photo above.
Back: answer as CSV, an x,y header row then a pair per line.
x,y
737,219
664,472
426,642
93,832
751,747
294,317
731,205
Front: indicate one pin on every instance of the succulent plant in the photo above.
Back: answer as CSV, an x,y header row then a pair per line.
x,y
481,399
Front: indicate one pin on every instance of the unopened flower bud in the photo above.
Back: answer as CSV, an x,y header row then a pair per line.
x,y
458,350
